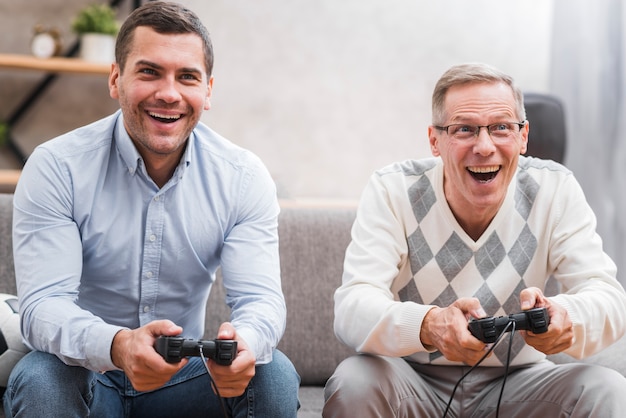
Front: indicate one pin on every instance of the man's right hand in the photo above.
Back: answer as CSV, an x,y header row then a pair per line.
x,y
446,330
133,352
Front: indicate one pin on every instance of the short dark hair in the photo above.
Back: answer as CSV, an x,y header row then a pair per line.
x,y
472,73
163,17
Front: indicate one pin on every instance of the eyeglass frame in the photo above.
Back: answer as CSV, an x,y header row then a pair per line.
x,y
520,125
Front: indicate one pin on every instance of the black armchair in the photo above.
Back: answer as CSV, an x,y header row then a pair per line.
x,y
547,136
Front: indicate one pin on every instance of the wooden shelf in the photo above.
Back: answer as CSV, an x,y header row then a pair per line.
x,y
54,64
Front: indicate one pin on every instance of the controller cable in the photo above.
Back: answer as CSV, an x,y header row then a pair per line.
x,y
510,325
213,385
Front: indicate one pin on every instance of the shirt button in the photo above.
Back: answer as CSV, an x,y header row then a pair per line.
x,y
153,237
149,275
146,309
156,198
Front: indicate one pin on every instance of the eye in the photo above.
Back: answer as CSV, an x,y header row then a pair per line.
x,y
500,127
188,77
148,71
462,130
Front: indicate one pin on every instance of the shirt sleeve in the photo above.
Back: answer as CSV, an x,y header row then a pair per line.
x,y
251,267
591,294
367,316
48,264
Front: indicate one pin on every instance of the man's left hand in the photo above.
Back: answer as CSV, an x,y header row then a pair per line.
x,y
233,380
560,334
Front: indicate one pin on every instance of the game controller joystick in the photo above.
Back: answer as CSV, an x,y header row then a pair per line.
x,y
488,329
173,349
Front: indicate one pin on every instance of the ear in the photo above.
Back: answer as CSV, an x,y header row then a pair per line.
x,y
524,132
433,138
114,77
207,100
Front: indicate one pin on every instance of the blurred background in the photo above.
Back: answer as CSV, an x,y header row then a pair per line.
x,y
327,91
323,91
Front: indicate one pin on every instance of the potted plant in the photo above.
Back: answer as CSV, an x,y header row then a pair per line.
x,y
97,26
4,133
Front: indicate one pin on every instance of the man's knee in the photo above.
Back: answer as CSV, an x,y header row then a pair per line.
x,y
360,377
38,367
388,385
42,379
279,373
602,392
276,387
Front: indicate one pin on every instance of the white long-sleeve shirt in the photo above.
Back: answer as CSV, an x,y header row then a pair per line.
x,y
408,253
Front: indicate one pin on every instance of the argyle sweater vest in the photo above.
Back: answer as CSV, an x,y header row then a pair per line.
x,y
408,253
446,264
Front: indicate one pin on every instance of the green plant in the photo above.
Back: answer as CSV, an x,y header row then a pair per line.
x,y
96,18
4,133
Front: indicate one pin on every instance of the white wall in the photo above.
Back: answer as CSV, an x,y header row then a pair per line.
x,y
324,91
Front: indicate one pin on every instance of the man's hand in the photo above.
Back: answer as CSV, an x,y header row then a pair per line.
x,y
233,380
446,330
560,334
133,352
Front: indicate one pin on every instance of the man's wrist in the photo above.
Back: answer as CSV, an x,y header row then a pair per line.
x,y
117,347
425,335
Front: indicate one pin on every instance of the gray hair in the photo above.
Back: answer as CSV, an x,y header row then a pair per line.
x,y
471,73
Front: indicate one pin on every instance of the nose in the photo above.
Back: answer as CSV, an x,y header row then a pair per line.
x,y
167,90
483,144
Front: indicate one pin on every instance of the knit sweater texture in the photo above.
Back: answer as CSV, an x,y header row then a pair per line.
x,y
408,253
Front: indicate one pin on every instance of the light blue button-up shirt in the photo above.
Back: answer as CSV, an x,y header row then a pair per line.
x,y
99,247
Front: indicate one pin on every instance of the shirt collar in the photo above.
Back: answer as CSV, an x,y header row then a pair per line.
x,y
125,146
131,157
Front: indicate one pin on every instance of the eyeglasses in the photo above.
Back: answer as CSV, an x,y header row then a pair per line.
x,y
501,131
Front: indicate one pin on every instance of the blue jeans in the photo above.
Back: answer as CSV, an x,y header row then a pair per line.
x,y
41,385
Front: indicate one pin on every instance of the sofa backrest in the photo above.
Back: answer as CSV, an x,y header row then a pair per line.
x,y
313,240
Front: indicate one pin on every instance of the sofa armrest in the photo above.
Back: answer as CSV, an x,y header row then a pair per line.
x,y
7,271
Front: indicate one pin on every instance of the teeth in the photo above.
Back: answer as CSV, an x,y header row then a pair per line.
x,y
490,169
170,117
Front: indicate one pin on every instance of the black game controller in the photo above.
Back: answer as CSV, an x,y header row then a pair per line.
x,y
173,349
488,329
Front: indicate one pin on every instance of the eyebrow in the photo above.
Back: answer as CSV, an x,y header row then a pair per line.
x,y
500,117
160,67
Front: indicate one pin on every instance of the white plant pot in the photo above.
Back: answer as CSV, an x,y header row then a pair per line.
x,y
97,47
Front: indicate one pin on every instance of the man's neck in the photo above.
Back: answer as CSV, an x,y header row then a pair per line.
x,y
161,168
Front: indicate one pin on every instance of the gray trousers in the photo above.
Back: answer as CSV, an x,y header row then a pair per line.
x,y
367,386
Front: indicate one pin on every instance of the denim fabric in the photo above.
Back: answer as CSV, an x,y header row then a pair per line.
x,y
42,386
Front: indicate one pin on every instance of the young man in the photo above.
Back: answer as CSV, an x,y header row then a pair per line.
x,y
476,231
119,228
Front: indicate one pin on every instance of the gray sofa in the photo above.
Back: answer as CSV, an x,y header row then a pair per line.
x,y
313,238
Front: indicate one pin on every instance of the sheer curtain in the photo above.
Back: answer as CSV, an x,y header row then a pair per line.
x,y
588,71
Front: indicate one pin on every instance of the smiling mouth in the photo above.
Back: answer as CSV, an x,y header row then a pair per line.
x,y
164,118
484,174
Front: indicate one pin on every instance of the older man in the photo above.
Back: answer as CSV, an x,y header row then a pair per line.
x,y
475,231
